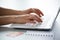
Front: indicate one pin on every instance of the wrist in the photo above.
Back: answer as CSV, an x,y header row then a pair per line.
x,y
19,12
15,19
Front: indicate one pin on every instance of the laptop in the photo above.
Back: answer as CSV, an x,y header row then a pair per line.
x,y
49,10
48,20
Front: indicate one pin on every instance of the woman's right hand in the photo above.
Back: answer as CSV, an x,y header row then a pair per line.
x,y
28,18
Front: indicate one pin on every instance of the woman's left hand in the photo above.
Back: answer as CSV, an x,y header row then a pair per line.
x,y
32,10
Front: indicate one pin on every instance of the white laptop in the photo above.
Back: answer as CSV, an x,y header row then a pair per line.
x,y
49,9
47,23
48,20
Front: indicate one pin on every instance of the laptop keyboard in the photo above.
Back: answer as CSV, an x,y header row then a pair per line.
x,y
31,25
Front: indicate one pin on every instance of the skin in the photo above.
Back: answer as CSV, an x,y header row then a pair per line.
x,y
28,18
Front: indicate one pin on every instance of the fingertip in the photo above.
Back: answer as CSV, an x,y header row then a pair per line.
x,y
42,14
40,21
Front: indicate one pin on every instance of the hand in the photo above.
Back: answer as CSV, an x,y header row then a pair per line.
x,y
32,10
28,18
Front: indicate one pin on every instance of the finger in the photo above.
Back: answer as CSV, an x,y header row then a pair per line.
x,y
30,21
38,12
35,11
38,19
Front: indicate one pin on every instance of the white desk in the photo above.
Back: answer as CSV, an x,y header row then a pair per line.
x,y
55,30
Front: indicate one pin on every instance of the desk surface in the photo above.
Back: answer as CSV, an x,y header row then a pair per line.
x,y
55,30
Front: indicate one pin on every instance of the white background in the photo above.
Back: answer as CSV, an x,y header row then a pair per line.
x,y
14,4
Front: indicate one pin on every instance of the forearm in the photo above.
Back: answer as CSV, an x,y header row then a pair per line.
x,y
6,20
4,11
15,19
